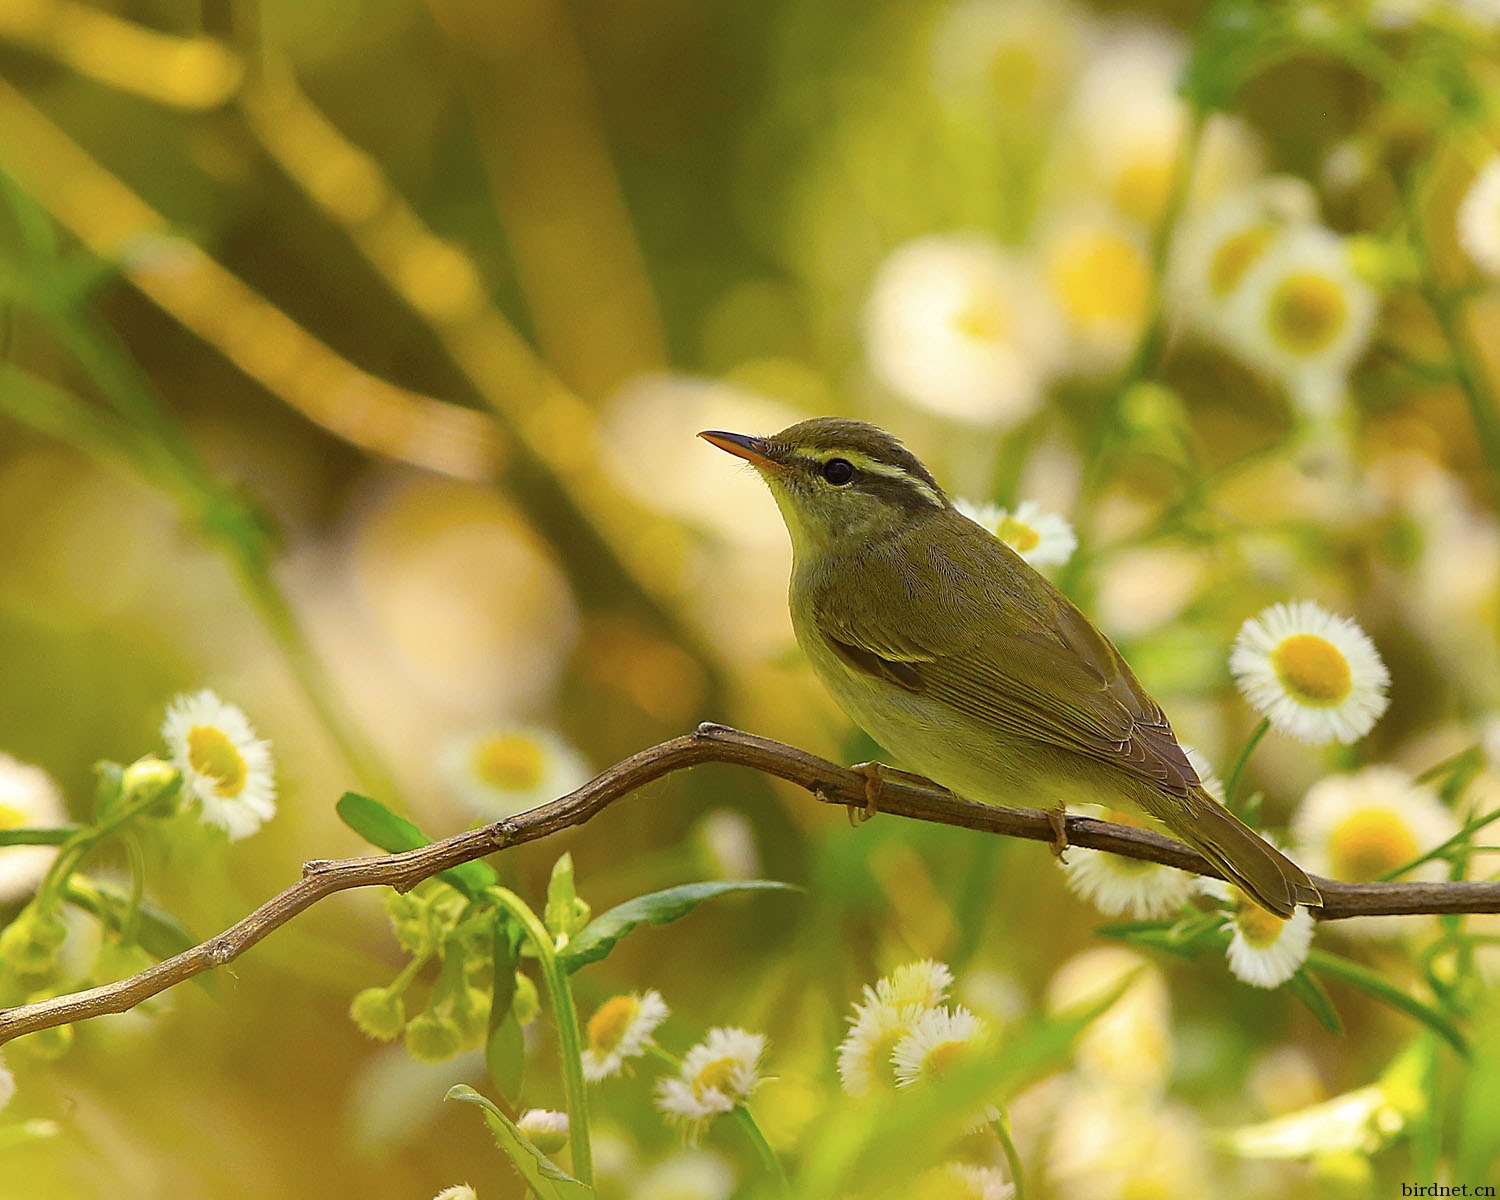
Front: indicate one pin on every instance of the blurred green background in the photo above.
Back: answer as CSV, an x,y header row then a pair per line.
x,y
444,290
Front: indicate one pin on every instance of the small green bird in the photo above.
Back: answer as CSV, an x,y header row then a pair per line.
x,y
967,665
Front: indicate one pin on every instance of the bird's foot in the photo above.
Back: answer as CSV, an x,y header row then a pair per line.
x,y
1058,819
873,774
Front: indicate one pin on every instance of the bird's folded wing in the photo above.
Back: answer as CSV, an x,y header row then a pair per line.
x,y
1032,668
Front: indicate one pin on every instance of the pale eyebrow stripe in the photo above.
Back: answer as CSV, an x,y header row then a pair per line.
x,y
873,466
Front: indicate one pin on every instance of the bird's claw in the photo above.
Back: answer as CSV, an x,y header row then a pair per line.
x,y
1058,819
874,776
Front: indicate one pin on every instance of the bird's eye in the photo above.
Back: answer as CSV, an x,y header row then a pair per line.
x,y
838,471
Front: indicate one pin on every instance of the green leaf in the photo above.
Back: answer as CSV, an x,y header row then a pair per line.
x,y
542,1175
1234,39
1382,989
1307,989
565,914
599,936
55,835
394,834
504,1046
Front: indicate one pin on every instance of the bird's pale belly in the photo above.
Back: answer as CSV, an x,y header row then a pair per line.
x,y
931,739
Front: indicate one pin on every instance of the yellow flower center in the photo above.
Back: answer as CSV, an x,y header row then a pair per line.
x,y
983,318
1257,926
511,762
1307,312
1020,537
11,817
1100,276
879,1055
1312,669
1368,843
1142,187
608,1025
942,1058
1233,256
213,755
717,1076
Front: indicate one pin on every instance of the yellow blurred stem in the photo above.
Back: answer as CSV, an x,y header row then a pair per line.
x,y
555,189
184,72
551,425
113,222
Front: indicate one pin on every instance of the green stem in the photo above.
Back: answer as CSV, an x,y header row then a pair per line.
x,y
565,1016
768,1159
1467,369
1232,784
255,575
1146,355
77,848
1001,1126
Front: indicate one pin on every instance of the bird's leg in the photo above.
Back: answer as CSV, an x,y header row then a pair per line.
x,y
1058,819
875,774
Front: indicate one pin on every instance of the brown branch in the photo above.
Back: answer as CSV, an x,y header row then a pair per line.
x,y
827,782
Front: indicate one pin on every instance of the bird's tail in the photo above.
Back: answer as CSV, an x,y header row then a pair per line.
x,y
1250,862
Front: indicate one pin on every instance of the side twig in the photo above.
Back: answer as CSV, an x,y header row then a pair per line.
x,y
826,781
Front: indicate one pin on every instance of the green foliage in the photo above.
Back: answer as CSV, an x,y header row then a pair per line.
x,y
600,935
544,1177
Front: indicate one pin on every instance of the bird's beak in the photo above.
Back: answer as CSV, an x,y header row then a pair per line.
x,y
753,450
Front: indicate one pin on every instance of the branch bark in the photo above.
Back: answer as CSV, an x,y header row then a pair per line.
x,y
827,782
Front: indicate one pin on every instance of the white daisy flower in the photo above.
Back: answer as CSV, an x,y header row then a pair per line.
x,y
1479,218
937,1040
506,771
224,766
1215,248
1042,538
690,1175
1013,60
459,1191
29,799
1098,267
1367,824
1124,887
979,1183
1264,950
545,1128
1317,676
864,1056
956,324
621,1028
924,983
1303,316
718,1073
883,1018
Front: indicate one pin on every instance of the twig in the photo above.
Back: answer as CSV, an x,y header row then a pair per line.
x,y
826,781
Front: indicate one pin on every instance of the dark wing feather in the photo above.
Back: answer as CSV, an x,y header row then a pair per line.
x,y
981,631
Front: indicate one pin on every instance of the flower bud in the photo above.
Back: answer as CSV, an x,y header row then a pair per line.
x,y
545,1129
379,1012
152,783
526,1002
432,1038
